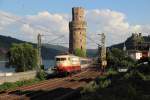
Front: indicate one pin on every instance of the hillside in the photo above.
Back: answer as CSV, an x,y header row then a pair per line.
x,y
130,43
48,50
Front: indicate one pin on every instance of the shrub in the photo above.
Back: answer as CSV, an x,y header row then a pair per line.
x,y
41,75
145,69
105,83
111,71
131,93
9,85
134,74
91,87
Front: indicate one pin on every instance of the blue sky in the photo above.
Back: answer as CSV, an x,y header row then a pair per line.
x,y
117,18
137,11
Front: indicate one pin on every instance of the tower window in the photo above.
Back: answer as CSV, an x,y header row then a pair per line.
x,y
80,40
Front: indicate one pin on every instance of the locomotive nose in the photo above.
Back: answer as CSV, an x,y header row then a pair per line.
x,y
59,66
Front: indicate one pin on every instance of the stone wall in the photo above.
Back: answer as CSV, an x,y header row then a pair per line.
x,y
13,77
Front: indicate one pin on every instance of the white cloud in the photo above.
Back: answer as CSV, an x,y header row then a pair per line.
x,y
31,25
27,29
46,23
53,22
107,21
5,19
113,23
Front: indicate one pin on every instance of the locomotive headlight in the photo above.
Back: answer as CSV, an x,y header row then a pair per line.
x,y
65,63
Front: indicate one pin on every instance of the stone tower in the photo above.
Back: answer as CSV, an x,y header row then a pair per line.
x,y
77,30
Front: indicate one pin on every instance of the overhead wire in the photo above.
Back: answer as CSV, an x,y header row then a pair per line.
x,y
56,38
20,21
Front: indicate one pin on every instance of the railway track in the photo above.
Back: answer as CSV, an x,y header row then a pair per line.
x,y
55,89
61,93
47,83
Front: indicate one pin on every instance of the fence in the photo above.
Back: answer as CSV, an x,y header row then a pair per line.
x,y
13,77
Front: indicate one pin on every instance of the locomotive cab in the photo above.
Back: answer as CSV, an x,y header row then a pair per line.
x,y
67,63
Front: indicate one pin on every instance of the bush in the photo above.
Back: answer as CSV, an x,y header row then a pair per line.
x,y
104,84
135,75
117,58
41,75
111,71
9,85
145,69
131,93
91,87
99,83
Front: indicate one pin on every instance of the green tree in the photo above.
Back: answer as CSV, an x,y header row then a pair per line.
x,y
117,58
80,53
23,57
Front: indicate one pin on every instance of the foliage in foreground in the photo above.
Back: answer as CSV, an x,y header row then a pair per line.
x,y
23,57
9,85
117,58
133,85
41,75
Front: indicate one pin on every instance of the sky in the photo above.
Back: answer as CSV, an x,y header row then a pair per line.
x,y
118,19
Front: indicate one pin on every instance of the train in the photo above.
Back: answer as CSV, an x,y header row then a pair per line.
x,y
70,63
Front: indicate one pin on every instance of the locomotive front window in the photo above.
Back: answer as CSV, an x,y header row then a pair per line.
x,y
57,59
60,59
63,59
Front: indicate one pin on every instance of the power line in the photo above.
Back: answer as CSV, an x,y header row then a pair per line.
x,y
56,38
91,39
6,31
60,43
20,21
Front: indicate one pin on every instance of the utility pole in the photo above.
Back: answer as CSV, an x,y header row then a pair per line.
x,y
39,52
102,52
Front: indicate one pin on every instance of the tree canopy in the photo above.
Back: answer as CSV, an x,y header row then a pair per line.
x,y
118,58
23,57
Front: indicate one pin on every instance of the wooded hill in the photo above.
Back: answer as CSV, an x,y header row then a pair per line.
x,y
48,50
137,42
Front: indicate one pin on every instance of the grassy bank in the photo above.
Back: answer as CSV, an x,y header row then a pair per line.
x,y
10,86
